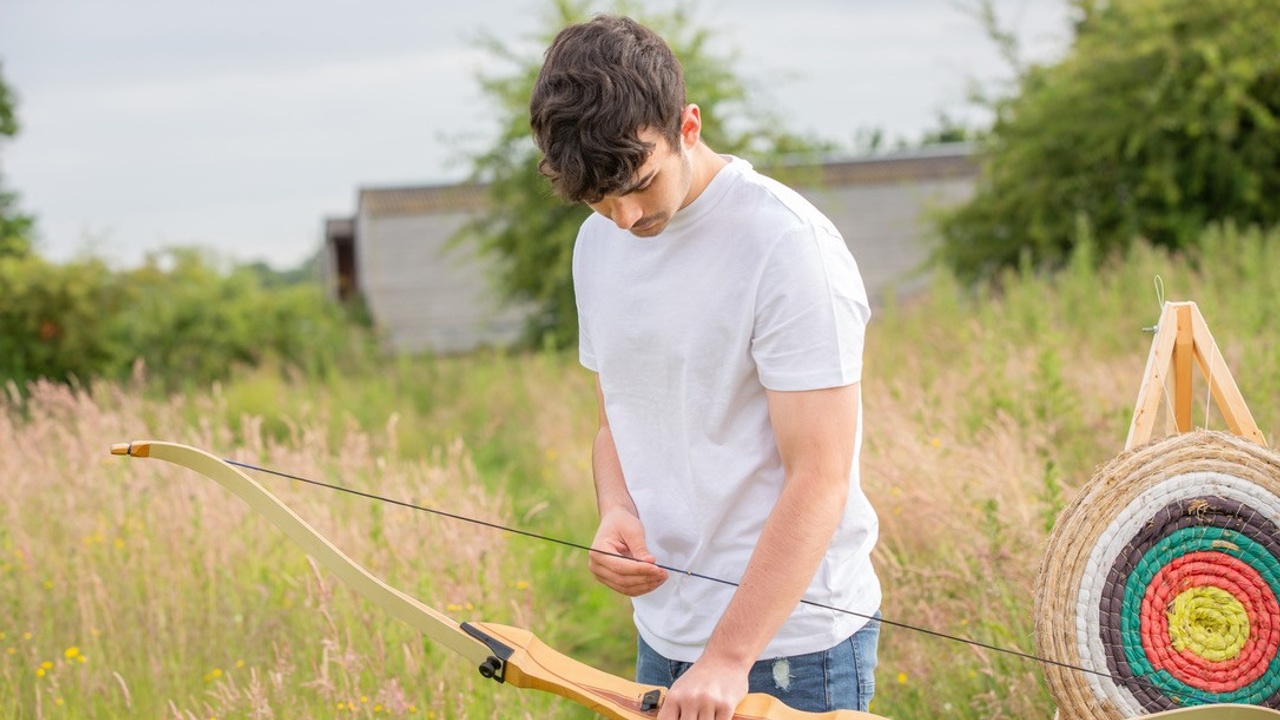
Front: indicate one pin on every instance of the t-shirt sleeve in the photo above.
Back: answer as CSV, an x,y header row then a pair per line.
x,y
582,293
811,313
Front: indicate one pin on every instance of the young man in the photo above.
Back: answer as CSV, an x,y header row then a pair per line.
x,y
724,317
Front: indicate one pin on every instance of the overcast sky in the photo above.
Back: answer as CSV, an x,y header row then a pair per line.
x,y
239,125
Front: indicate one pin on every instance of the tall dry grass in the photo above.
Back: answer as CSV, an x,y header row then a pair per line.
x,y
131,588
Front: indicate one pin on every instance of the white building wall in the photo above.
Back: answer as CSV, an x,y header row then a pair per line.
x,y
887,227
423,295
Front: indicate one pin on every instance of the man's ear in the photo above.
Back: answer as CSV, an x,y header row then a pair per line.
x,y
690,126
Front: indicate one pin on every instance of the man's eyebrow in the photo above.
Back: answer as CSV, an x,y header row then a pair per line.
x,y
638,184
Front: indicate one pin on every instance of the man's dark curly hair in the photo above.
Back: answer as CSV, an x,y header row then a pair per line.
x,y
601,83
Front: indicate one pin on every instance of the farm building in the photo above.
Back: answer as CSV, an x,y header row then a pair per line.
x,y
426,295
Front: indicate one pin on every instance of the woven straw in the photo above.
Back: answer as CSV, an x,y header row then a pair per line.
x,y
1162,577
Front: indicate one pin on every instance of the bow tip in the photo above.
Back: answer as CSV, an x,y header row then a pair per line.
x,y
131,449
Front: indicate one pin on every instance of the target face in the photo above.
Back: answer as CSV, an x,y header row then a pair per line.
x,y
1162,581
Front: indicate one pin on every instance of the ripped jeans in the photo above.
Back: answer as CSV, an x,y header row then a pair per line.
x,y
840,678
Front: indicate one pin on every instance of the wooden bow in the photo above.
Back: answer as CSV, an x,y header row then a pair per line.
x,y
502,653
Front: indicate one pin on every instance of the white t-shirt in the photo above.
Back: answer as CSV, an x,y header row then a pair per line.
x,y
749,287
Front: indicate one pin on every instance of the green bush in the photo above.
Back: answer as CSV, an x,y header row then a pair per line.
x,y
178,317
1163,117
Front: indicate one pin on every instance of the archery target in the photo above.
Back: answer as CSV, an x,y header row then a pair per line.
x,y
1161,582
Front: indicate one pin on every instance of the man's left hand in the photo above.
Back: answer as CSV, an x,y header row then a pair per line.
x,y
707,691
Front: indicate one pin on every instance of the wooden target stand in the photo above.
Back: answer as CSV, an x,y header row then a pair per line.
x,y
1182,343
1183,339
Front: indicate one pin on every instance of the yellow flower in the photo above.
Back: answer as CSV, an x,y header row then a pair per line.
x,y
522,584
71,652
377,708
239,663
936,442
902,678
48,584
26,636
39,672
57,701
217,672
47,665
364,698
82,659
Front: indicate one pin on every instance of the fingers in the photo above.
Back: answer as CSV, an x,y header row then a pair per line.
x,y
621,561
704,693
629,576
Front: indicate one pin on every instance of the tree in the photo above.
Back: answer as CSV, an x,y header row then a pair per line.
x,y
15,228
1163,117
527,230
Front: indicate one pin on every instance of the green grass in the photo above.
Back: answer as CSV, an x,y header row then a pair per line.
x,y
130,588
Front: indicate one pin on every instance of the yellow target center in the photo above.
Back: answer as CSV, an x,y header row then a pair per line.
x,y
1209,622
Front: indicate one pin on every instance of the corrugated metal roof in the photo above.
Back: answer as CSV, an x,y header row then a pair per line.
x,y
929,163
936,162
425,199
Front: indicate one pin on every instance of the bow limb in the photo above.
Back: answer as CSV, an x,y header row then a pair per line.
x,y
500,652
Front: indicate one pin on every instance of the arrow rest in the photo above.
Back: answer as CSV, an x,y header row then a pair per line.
x,y
495,668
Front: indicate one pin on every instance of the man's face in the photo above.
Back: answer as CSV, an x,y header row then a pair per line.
x,y
659,188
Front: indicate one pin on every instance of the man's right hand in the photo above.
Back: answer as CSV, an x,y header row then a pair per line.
x,y
632,574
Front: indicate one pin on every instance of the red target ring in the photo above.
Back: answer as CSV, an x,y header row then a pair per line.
x,y
1232,576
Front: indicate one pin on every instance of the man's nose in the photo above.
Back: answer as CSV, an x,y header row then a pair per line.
x,y
626,213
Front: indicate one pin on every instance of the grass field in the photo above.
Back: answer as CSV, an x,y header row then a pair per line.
x,y
129,588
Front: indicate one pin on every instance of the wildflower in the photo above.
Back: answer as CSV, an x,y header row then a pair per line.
x,y
82,658
57,701
936,442
26,636
71,652
47,665
522,584
239,663
902,678
39,672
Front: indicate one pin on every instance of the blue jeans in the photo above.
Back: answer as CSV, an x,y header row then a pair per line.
x,y
841,678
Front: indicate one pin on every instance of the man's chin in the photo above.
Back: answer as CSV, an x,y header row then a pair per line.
x,y
650,230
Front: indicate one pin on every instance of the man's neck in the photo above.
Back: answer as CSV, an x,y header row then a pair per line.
x,y
706,163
